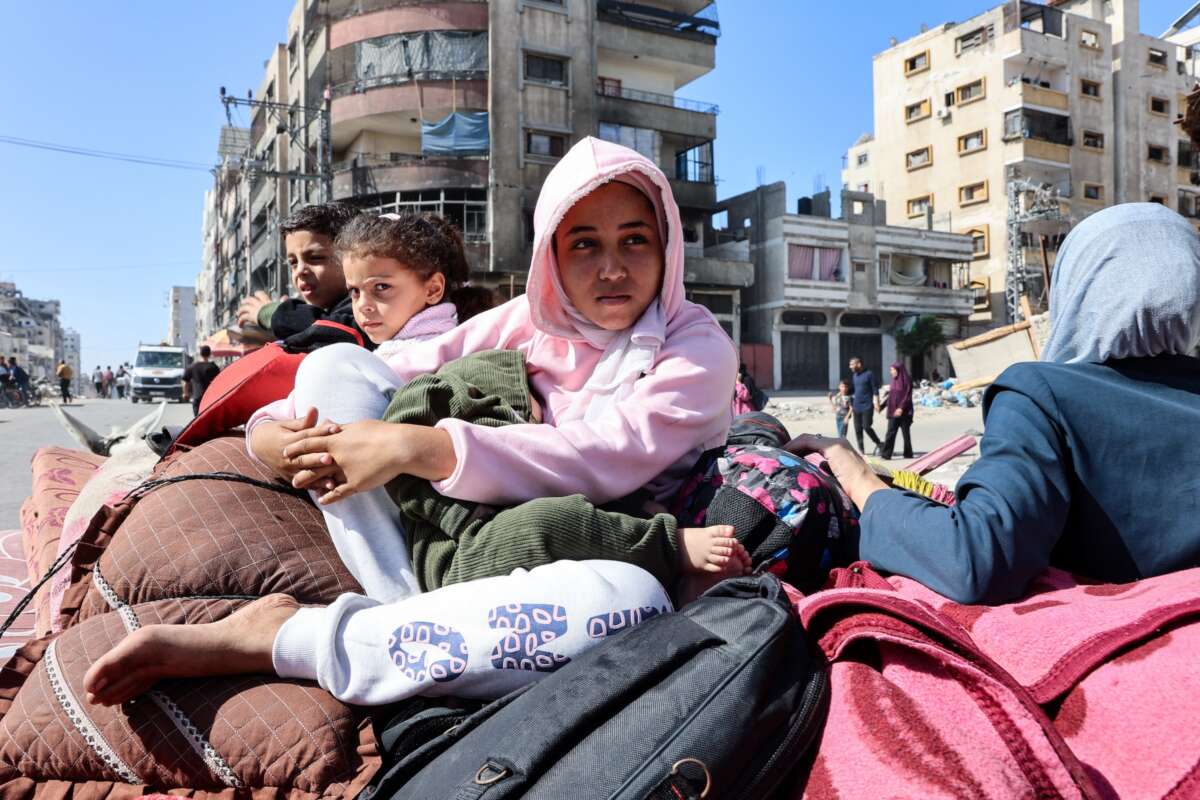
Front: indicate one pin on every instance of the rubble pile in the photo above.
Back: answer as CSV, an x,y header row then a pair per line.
x,y
796,410
943,394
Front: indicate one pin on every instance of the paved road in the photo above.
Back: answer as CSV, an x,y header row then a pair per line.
x,y
23,431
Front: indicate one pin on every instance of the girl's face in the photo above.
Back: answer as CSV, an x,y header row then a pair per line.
x,y
386,294
610,256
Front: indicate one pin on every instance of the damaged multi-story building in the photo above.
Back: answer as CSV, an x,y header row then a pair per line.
x,y
30,331
461,108
1014,124
826,290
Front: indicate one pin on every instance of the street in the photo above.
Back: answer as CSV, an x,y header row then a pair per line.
x,y
24,430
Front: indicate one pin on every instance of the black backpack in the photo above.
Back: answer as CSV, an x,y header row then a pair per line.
x,y
722,699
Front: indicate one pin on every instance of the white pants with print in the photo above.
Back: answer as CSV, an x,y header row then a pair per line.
x,y
477,639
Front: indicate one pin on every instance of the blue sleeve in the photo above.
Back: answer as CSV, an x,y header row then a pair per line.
x,y
1012,507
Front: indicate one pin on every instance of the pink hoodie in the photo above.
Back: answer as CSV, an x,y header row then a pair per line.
x,y
649,434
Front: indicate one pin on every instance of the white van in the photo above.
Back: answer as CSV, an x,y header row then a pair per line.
x,y
158,373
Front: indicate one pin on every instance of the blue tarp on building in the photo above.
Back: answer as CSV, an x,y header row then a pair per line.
x,y
460,133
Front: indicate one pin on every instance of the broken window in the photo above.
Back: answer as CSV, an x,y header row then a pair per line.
x,y
970,142
545,69
975,38
1029,123
973,193
1093,191
918,206
1187,204
1089,88
1160,105
979,241
1157,153
862,159
969,92
917,63
1186,155
1042,19
1158,57
550,145
609,87
1093,139
916,111
919,158
1089,39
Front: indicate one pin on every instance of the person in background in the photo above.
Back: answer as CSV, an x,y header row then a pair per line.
x,y
65,376
198,376
20,378
842,409
1069,473
121,378
864,403
899,411
98,381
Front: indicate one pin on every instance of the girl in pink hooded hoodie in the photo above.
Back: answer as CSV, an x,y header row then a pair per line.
x,y
634,382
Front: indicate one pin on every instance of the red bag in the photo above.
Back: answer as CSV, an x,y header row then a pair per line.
x,y
246,385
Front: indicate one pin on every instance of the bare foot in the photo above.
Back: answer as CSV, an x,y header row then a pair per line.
x,y
239,644
712,549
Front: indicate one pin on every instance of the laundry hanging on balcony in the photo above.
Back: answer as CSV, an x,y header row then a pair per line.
x,y
460,133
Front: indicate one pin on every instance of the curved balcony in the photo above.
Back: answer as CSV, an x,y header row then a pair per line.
x,y
402,172
461,15
396,109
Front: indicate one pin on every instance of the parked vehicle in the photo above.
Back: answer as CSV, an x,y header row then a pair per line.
x,y
158,373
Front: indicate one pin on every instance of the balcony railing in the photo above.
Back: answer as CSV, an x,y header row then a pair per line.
x,y
364,160
670,101
703,25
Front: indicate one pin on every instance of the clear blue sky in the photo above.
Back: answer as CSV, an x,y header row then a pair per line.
x,y
109,238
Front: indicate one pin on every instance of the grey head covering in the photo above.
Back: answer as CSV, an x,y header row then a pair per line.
x,y
1126,283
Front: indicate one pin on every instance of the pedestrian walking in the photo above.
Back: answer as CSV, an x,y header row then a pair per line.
x,y
198,376
841,401
864,403
19,378
899,411
65,376
108,382
121,377
98,381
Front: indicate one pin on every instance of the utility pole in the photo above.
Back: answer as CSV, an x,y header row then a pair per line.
x,y
279,111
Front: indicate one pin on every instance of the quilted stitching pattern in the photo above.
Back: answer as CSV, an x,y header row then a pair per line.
x,y
220,538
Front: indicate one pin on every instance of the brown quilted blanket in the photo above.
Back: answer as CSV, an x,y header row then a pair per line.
x,y
192,551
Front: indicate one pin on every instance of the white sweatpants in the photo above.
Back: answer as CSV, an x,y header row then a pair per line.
x,y
346,383
478,639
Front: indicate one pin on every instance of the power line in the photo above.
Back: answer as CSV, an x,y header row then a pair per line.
x,y
106,154
5,271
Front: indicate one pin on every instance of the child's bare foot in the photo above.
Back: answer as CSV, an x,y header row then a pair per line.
x,y
239,644
712,549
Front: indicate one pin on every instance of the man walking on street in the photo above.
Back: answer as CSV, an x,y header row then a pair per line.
x,y
865,402
20,378
198,376
98,381
65,376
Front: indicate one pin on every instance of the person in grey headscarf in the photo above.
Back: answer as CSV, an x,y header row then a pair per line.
x,y
1090,459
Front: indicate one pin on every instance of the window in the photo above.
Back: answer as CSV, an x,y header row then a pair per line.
x,y
646,141
1093,140
863,158
919,159
976,38
972,142
1093,192
1029,123
849,320
918,206
609,87
1089,88
293,61
545,69
1156,152
803,318
917,63
1089,39
465,209
1160,105
948,99
864,187
980,244
973,193
807,263
1158,198
917,111
970,92
550,145
1158,58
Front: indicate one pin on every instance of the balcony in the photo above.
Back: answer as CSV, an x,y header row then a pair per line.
x,y
661,112
399,172
925,300
682,51
701,25
718,271
1039,96
694,194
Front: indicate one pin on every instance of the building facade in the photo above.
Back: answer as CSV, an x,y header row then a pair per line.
x,y
181,323
462,107
1014,124
826,290
73,355
30,331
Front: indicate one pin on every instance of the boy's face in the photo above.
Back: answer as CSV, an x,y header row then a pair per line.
x,y
386,294
316,274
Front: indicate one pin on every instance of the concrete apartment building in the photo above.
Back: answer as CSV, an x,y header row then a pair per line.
x,y
181,321
30,331
972,118
828,289
461,108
